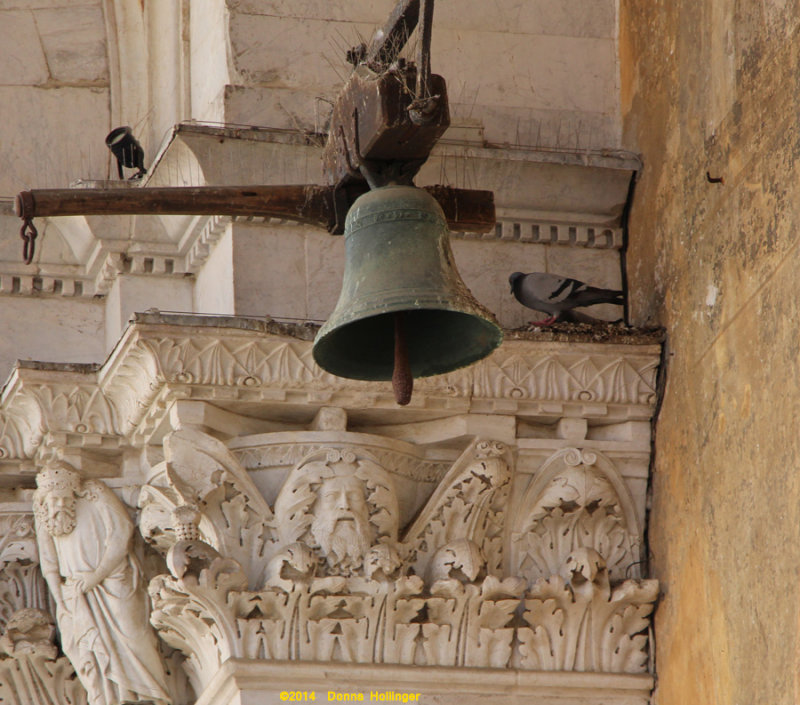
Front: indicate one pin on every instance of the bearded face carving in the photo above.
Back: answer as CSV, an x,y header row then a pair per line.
x,y
59,512
341,525
340,504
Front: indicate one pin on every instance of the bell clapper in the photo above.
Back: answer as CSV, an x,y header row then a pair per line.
x,y
402,380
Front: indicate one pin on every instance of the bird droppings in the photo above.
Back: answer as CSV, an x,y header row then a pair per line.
x,y
599,332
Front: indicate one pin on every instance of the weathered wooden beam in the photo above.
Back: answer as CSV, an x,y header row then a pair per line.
x,y
465,210
373,137
305,203
387,43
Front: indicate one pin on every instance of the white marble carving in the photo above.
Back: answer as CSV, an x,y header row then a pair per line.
x,y
468,504
20,429
340,503
572,377
334,585
469,622
78,408
31,672
21,582
191,608
579,622
84,536
333,582
162,357
577,500
234,518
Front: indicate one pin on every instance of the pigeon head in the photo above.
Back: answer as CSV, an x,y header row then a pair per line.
x,y
513,278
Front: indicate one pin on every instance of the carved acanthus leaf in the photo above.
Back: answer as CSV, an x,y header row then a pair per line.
x,y
21,427
21,582
470,624
30,672
194,615
22,586
575,504
463,506
235,519
580,623
576,623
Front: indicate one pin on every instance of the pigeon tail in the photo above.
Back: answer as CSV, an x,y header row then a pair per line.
x,y
593,295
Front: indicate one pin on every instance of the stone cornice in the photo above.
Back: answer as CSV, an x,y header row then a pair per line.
x,y
237,361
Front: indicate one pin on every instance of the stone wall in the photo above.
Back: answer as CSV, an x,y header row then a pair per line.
x,y
54,88
710,89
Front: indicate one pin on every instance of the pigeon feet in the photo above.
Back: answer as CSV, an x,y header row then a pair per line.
x,y
549,321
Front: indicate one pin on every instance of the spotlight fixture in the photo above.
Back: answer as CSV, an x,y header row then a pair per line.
x,y
127,150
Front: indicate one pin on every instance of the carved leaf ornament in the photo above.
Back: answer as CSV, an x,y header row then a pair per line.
x,y
423,596
31,672
332,576
578,500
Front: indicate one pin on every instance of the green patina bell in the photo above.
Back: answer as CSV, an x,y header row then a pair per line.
x,y
402,303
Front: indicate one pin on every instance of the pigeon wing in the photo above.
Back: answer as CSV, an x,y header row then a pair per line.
x,y
590,295
549,288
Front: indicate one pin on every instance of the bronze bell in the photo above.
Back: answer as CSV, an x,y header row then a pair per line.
x,y
403,311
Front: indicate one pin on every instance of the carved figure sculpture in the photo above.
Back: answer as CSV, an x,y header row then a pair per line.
x,y
84,536
337,581
340,504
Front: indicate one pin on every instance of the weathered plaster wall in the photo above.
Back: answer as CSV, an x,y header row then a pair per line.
x,y
536,73
712,86
54,89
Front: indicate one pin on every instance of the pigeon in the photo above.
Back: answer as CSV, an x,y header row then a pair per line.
x,y
557,295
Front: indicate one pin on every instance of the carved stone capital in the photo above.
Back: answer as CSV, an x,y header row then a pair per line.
x,y
577,499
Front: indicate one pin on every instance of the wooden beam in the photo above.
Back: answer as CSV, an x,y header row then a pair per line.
x,y
304,203
465,210
388,42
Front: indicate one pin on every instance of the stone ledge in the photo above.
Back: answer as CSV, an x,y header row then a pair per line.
x,y
244,681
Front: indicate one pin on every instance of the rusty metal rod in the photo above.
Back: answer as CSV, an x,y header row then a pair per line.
x,y
402,379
